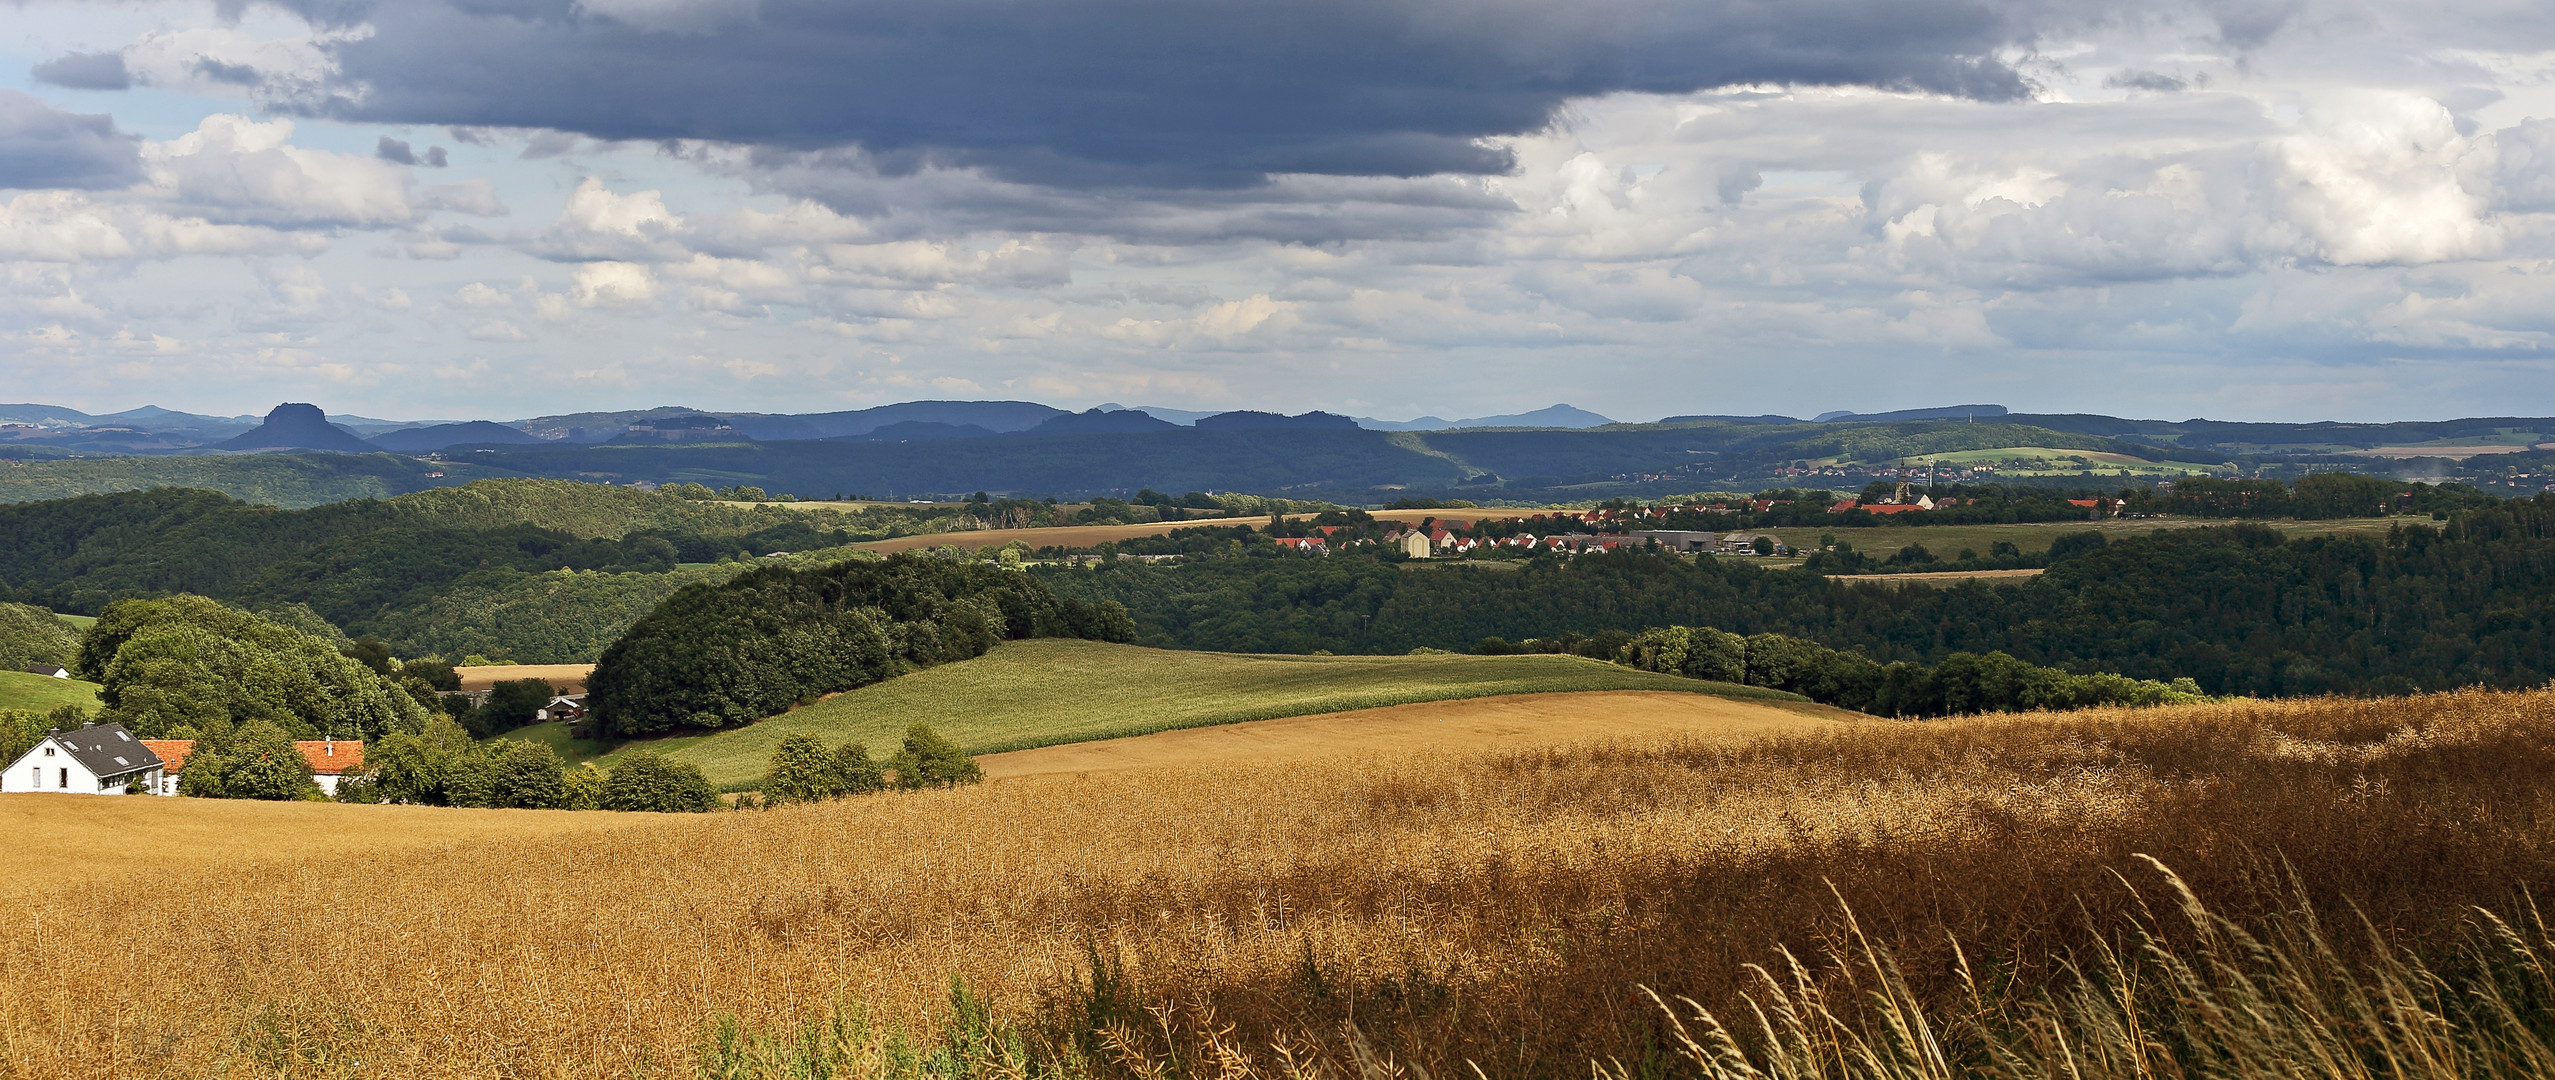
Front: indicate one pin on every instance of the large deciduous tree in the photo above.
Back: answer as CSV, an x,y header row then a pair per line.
x,y
188,665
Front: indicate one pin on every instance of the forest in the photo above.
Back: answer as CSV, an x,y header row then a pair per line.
x,y
730,654
536,570
2238,608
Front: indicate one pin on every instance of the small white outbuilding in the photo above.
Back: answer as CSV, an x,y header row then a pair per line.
x,y
97,759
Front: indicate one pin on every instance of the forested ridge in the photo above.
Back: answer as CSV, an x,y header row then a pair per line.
x,y
394,567
2239,609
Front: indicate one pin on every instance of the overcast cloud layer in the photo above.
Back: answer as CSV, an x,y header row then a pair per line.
x,y
426,209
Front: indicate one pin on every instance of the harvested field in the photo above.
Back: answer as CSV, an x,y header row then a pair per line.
x,y
564,678
2460,452
1499,911
1454,728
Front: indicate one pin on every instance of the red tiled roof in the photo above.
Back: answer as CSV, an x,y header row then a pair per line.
x,y
326,757
1904,508
332,757
172,751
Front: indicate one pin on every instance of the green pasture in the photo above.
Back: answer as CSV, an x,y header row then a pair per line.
x,y
1044,692
26,690
83,622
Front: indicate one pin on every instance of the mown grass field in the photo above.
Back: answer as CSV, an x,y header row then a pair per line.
x,y
1399,915
26,690
1048,691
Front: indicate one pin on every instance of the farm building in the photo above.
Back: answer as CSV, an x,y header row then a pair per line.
x,y
50,671
330,761
97,759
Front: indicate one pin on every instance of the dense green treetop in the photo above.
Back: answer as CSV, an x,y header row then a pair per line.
x,y
728,654
256,760
187,666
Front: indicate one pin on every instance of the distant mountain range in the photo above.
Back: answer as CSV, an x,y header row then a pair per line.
x,y
154,430
950,448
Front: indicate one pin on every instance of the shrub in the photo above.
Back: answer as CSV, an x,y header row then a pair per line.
x,y
928,760
860,773
581,788
803,771
256,761
527,775
654,783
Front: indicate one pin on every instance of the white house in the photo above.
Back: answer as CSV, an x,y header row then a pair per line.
x,y
98,759
562,707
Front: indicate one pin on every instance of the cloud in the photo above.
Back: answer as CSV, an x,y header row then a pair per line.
x,y
68,227
85,71
477,196
231,168
1118,92
626,286
42,147
396,151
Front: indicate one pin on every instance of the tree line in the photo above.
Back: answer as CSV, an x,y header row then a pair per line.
x,y
2239,609
1962,684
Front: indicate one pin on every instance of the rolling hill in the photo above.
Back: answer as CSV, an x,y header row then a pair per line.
x,y
1049,691
40,693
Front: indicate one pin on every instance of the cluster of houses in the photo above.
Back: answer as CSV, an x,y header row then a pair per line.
x,y
105,759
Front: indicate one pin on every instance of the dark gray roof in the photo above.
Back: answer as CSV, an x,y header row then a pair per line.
x,y
108,750
46,670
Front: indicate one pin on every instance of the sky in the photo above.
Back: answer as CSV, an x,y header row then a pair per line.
x,y
444,209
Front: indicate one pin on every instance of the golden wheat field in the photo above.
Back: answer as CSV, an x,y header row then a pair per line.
x,y
1407,915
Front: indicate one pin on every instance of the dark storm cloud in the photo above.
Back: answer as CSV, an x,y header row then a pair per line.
x,y
1161,93
398,152
43,147
86,71
2147,80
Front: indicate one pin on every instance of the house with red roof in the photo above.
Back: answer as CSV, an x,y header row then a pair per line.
x,y
330,761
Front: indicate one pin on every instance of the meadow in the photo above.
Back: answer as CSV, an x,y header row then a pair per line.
x,y
41,693
1047,691
1498,915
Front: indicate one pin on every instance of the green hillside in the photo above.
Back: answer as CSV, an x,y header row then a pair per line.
x,y
1048,691
23,690
292,481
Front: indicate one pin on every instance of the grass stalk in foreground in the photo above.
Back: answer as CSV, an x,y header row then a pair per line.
x,y
2190,994
2197,995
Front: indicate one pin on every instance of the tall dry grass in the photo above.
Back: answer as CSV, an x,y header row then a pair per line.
x,y
1407,915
